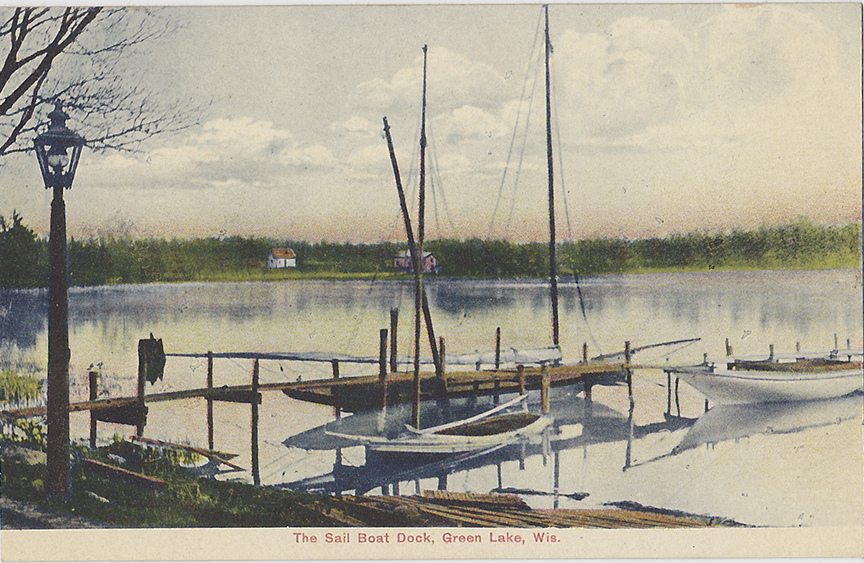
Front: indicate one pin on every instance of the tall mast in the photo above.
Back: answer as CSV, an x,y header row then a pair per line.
x,y
418,256
553,262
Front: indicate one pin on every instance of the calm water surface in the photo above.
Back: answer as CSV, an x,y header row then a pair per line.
x,y
800,465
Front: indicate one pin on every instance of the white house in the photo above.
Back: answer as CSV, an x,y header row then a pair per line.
x,y
281,258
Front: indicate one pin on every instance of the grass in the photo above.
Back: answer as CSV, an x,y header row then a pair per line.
x,y
187,501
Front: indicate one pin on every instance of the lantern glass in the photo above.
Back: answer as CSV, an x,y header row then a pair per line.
x,y
52,151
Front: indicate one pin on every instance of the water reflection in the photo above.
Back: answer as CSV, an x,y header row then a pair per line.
x,y
731,422
578,424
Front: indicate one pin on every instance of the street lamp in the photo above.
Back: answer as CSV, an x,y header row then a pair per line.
x,y
58,150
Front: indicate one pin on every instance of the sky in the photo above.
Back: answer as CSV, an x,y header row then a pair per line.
x,y
667,119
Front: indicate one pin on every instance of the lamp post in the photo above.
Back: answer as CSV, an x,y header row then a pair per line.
x,y
57,150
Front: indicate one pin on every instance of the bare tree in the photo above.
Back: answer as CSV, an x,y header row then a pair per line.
x,y
87,58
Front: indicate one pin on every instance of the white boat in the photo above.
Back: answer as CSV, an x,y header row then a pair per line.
x,y
481,432
770,381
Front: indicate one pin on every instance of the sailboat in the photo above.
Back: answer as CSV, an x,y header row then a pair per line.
x,y
489,429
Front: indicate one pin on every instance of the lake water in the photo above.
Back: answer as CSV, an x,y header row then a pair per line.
x,y
799,466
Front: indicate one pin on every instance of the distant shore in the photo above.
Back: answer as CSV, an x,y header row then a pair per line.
x,y
800,245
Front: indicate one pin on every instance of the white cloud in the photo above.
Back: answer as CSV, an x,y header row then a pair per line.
x,y
221,151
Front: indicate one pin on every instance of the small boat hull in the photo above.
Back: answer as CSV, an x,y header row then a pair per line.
x,y
441,444
725,386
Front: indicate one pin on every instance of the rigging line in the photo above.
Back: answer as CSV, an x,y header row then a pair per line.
x,y
584,316
675,351
434,201
515,128
524,142
437,171
560,157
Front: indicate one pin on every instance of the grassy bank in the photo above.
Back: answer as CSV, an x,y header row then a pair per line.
x,y
109,260
187,501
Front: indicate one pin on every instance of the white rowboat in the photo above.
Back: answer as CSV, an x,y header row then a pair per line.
x,y
770,382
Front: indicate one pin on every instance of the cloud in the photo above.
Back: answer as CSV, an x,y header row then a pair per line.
x,y
221,151
453,80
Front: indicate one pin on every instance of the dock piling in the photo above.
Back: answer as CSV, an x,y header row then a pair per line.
x,y
544,389
94,392
139,428
334,363
256,476
382,365
628,372
498,348
584,353
440,367
394,322
210,401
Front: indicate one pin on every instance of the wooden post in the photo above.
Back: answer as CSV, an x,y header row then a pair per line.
x,y
94,392
498,348
668,392
210,401
544,389
770,352
586,386
627,371
382,370
256,476
584,353
337,412
440,366
520,374
139,428
677,402
706,405
728,348
394,322
382,354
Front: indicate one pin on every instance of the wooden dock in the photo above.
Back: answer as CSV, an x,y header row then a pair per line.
x,y
373,392
365,392
439,508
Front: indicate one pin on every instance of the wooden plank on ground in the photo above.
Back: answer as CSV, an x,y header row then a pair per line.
x,y
209,454
120,474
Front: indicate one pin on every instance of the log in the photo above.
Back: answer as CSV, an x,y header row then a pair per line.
x,y
124,475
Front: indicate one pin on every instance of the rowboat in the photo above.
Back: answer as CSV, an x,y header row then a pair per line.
x,y
775,379
484,431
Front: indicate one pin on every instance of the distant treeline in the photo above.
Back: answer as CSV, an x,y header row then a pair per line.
x,y
113,260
